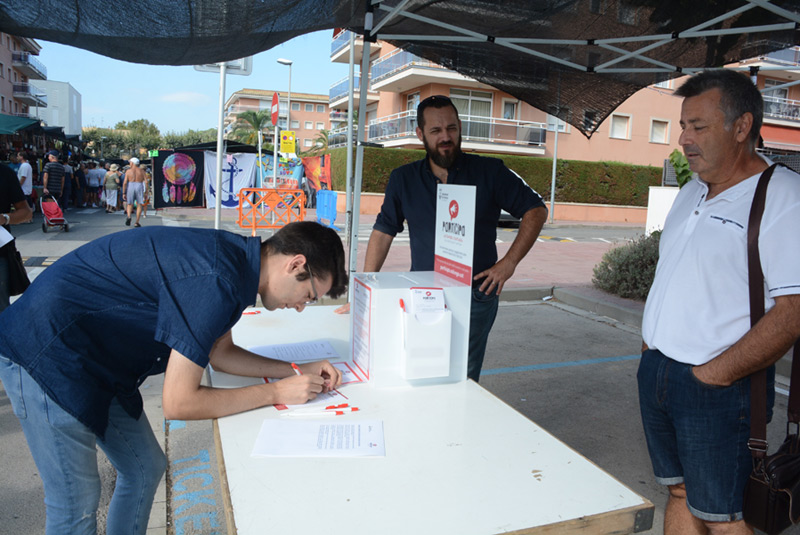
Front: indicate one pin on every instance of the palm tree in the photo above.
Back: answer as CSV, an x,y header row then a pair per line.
x,y
249,123
320,142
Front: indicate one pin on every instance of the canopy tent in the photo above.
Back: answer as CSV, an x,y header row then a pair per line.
x,y
576,59
10,124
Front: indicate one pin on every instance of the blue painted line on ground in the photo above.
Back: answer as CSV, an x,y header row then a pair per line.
x,y
549,366
174,424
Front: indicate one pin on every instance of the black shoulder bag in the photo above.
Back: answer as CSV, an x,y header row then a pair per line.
x,y
18,280
772,493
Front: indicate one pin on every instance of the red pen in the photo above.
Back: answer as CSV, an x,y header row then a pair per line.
x,y
402,305
296,369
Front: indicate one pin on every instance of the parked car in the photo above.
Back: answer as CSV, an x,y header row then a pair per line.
x,y
506,219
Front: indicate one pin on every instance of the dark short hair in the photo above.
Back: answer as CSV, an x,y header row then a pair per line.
x,y
321,246
434,101
739,96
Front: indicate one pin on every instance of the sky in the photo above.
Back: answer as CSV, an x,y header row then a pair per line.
x,y
177,99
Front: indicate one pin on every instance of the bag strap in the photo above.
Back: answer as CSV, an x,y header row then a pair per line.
x,y
758,381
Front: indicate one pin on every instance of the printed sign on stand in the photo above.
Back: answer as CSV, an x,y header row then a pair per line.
x,y
288,141
455,231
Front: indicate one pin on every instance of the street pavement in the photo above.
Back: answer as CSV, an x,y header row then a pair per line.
x,y
561,353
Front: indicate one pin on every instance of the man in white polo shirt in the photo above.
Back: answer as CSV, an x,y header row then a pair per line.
x,y
699,349
25,176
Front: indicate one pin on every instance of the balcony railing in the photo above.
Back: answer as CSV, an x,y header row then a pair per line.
x,y
399,59
340,41
788,55
340,88
473,128
338,137
781,108
25,59
337,116
30,94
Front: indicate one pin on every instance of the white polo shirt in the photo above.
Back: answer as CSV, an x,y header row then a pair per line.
x,y
698,305
25,170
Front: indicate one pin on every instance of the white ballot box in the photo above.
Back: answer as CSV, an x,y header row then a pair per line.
x,y
397,340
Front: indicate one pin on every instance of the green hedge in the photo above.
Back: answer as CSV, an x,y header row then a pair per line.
x,y
576,181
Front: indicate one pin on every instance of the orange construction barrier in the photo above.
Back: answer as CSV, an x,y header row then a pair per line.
x,y
263,208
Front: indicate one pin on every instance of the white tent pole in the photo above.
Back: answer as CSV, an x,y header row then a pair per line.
x,y
665,41
553,177
218,196
782,86
349,182
394,11
260,161
363,87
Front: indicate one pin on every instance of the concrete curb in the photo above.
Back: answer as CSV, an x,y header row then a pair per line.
x,y
622,314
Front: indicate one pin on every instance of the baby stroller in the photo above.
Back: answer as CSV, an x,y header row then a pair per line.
x,y
53,217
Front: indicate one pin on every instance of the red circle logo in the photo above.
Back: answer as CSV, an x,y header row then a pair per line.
x,y
453,209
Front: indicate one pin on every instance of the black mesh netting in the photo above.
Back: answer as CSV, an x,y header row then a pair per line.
x,y
553,54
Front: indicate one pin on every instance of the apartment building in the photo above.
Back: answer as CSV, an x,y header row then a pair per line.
x,y
643,130
64,106
19,71
781,129
309,112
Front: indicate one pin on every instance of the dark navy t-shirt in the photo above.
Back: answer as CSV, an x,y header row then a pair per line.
x,y
411,196
98,322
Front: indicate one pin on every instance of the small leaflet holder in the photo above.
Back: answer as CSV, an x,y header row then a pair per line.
x,y
427,327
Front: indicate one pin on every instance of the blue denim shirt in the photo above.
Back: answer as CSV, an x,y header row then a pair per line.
x,y
98,322
411,196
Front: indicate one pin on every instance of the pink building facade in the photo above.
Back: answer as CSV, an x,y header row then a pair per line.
x,y
19,70
309,112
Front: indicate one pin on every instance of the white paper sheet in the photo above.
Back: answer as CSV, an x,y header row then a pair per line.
x,y
5,236
299,352
320,438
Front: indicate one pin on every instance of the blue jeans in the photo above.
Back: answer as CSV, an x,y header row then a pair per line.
x,y
66,194
481,318
66,456
697,434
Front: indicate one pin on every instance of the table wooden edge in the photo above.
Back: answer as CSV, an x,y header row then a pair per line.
x,y
633,519
223,481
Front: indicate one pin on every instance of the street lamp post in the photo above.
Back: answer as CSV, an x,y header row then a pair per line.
x,y
102,139
289,100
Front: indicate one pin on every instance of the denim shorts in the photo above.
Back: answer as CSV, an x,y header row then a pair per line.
x,y
697,434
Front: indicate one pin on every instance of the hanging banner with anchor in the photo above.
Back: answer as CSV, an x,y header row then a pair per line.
x,y
238,171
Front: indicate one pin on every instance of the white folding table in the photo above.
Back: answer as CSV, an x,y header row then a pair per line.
x,y
458,461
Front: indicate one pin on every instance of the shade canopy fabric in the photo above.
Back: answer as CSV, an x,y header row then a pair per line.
x,y
576,59
10,124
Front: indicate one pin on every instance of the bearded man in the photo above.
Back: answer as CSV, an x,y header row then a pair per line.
x,y
411,196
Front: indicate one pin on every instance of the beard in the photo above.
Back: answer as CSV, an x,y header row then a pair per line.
x,y
445,161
